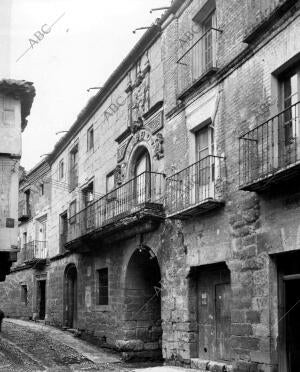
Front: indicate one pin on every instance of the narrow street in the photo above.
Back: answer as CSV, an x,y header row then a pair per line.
x,y
29,346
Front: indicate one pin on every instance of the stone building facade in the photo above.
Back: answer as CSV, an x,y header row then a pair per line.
x,y
16,97
172,224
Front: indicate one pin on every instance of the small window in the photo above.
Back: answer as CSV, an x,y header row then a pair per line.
x,y
61,171
103,286
72,212
9,116
42,190
24,294
90,139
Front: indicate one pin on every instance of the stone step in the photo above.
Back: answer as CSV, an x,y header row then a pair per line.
x,y
208,365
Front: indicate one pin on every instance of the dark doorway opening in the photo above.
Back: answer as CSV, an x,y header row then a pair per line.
x,y
70,296
292,307
289,311
42,299
143,298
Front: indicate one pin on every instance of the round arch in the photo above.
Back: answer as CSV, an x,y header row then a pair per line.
x,y
142,296
137,153
70,296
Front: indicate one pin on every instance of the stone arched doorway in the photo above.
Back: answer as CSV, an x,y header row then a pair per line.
x,y
143,302
70,296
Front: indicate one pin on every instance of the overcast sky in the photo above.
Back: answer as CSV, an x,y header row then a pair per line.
x,y
81,51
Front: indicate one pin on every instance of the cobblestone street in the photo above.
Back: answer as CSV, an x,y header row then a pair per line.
x,y
28,346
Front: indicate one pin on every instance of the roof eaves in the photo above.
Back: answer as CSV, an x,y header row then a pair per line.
x,y
22,90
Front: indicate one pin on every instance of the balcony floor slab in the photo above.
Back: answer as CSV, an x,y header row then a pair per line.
x,y
270,180
120,227
200,208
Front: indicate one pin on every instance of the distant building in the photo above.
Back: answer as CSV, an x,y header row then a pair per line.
x,y
173,216
16,98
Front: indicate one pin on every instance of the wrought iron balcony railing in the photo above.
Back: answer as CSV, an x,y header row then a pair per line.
x,y
198,60
196,188
35,250
143,191
271,151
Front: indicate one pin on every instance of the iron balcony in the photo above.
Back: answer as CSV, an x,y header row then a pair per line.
x,y
35,252
270,153
197,188
127,205
24,210
198,61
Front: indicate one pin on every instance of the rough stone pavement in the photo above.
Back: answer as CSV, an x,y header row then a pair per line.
x,y
29,346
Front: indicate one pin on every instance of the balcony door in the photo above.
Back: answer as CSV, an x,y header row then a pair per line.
x,y
40,243
63,231
204,172
142,181
289,144
73,168
89,214
203,51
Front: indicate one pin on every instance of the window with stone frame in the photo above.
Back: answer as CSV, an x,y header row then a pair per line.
x,y
103,286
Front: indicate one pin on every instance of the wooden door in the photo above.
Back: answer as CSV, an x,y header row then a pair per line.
x,y
223,320
214,320
71,297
